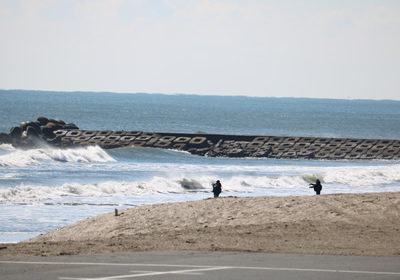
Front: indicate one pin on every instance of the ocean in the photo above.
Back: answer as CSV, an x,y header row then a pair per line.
x,y
47,188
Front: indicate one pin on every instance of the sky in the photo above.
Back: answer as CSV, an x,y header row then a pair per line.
x,y
346,49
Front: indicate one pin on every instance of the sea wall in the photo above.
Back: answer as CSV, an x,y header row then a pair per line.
x,y
33,134
219,145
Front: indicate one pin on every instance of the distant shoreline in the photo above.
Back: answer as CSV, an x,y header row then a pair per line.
x,y
183,94
335,224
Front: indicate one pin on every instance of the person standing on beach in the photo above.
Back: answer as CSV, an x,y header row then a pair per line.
x,y
317,187
217,188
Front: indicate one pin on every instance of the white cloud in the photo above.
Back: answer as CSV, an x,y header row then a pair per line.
x,y
5,12
202,47
98,11
381,16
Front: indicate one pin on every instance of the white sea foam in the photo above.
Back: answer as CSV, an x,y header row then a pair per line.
x,y
362,176
6,147
107,189
366,179
22,158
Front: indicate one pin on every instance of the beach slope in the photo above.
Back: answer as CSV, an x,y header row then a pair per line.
x,y
340,224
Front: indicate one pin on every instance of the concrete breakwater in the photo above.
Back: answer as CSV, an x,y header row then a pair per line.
x,y
64,135
219,145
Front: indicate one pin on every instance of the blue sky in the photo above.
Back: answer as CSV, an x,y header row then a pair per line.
x,y
310,48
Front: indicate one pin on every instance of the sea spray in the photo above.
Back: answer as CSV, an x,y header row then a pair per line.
x,y
269,181
13,157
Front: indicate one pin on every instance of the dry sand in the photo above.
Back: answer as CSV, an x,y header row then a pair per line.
x,y
341,224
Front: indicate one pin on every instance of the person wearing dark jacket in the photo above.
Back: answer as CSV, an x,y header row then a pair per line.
x,y
317,187
217,188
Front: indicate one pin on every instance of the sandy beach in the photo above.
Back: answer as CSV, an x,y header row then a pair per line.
x,y
339,224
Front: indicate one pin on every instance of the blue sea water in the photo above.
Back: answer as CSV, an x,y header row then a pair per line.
x,y
47,188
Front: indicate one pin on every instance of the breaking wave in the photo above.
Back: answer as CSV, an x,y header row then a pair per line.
x,y
12,157
107,189
334,180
